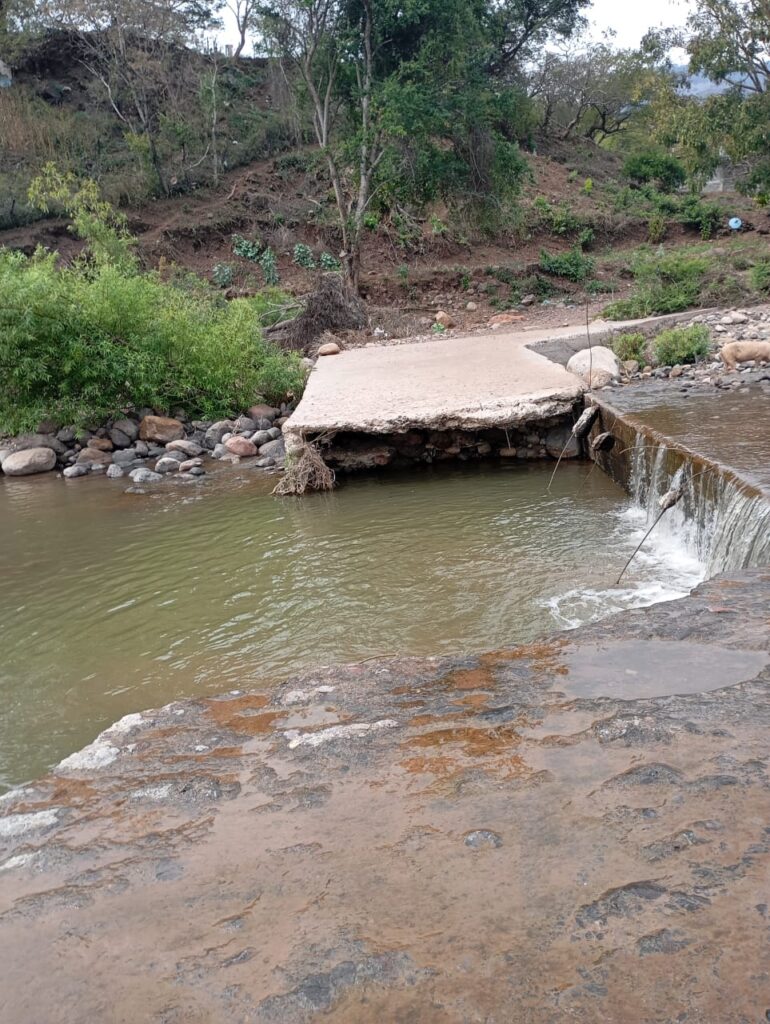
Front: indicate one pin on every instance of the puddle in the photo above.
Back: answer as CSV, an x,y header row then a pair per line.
x,y
633,669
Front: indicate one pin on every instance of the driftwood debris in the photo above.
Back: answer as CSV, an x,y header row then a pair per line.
x,y
331,307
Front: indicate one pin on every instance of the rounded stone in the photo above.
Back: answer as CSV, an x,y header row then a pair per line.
x,y
29,461
240,446
161,429
330,348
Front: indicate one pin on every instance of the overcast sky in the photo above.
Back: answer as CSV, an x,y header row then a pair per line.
x,y
629,19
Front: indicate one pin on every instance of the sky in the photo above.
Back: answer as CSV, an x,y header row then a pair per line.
x,y
628,19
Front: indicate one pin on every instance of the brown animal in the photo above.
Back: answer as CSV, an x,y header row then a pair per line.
x,y
742,351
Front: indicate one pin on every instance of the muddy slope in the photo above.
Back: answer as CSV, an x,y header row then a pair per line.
x,y
575,830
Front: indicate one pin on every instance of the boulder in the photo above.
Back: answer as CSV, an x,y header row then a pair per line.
x,y
74,471
167,465
263,412
128,427
329,348
245,425
597,358
598,379
631,366
29,461
188,449
119,439
39,441
189,464
274,433
529,300
94,457
264,463
102,443
66,435
261,437
124,457
114,472
443,318
561,439
161,429
144,476
240,446
217,431
274,450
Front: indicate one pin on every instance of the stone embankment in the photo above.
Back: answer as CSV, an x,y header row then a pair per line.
x,y
147,448
576,829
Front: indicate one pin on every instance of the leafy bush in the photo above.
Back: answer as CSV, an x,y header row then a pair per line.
x,y
665,283
655,167
682,344
303,256
79,343
656,227
269,266
630,346
222,275
328,262
759,276
574,265
246,248
706,217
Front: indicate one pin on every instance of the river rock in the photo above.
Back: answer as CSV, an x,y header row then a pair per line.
x,y
29,461
240,446
39,441
599,357
66,435
145,476
142,449
195,471
631,367
561,439
114,472
125,456
188,449
443,318
263,412
274,449
261,437
245,425
161,429
190,464
103,444
217,431
471,307
71,472
264,463
274,433
329,348
167,465
128,427
119,439
94,457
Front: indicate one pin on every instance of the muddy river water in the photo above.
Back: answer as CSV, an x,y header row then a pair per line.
x,y
112,602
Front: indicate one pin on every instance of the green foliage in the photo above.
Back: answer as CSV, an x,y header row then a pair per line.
x,y
655,167
574,264
328,262
81,342
682,345
759,275
222,274
588,186
303,256
630,346
93,218
403,273
246,248
656,227
438,328
559,219
664,283
269,265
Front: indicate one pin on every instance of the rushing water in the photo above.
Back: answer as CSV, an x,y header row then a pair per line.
x,y
113,602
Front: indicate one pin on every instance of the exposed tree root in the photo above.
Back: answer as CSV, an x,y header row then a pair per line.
x,y
330,308
306,471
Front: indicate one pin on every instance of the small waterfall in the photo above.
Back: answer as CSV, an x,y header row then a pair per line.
x,y
721,520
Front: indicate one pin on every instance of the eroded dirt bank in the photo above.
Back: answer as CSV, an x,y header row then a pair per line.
x,y
511,838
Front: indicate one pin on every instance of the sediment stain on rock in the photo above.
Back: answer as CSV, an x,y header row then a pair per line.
x,y
451,840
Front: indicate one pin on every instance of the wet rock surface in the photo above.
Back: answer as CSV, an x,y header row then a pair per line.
x,y
455,839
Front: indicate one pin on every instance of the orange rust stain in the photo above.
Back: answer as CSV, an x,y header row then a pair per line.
x,y
237,715
475,741
428,719
469,679
473,700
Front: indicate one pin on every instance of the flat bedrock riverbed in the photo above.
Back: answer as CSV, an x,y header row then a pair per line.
x,y
574,829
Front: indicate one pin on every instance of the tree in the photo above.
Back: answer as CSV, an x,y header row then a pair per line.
x,y
518,27
245,13
128,46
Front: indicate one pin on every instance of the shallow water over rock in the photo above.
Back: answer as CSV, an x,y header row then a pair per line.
x,y
112,602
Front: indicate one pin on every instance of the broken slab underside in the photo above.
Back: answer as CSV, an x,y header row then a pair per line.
x,y
574,830
467,383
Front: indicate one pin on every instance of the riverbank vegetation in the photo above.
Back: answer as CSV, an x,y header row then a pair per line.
x,y
78,342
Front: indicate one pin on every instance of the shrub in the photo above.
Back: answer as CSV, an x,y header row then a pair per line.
x,y
222,275
656,227
303,256
706,217
328,262
759,276
269,266
246,248
630,346
663,170
79,343
574,265
682,344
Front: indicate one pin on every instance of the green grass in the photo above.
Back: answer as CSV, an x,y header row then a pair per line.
x,y
682,345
